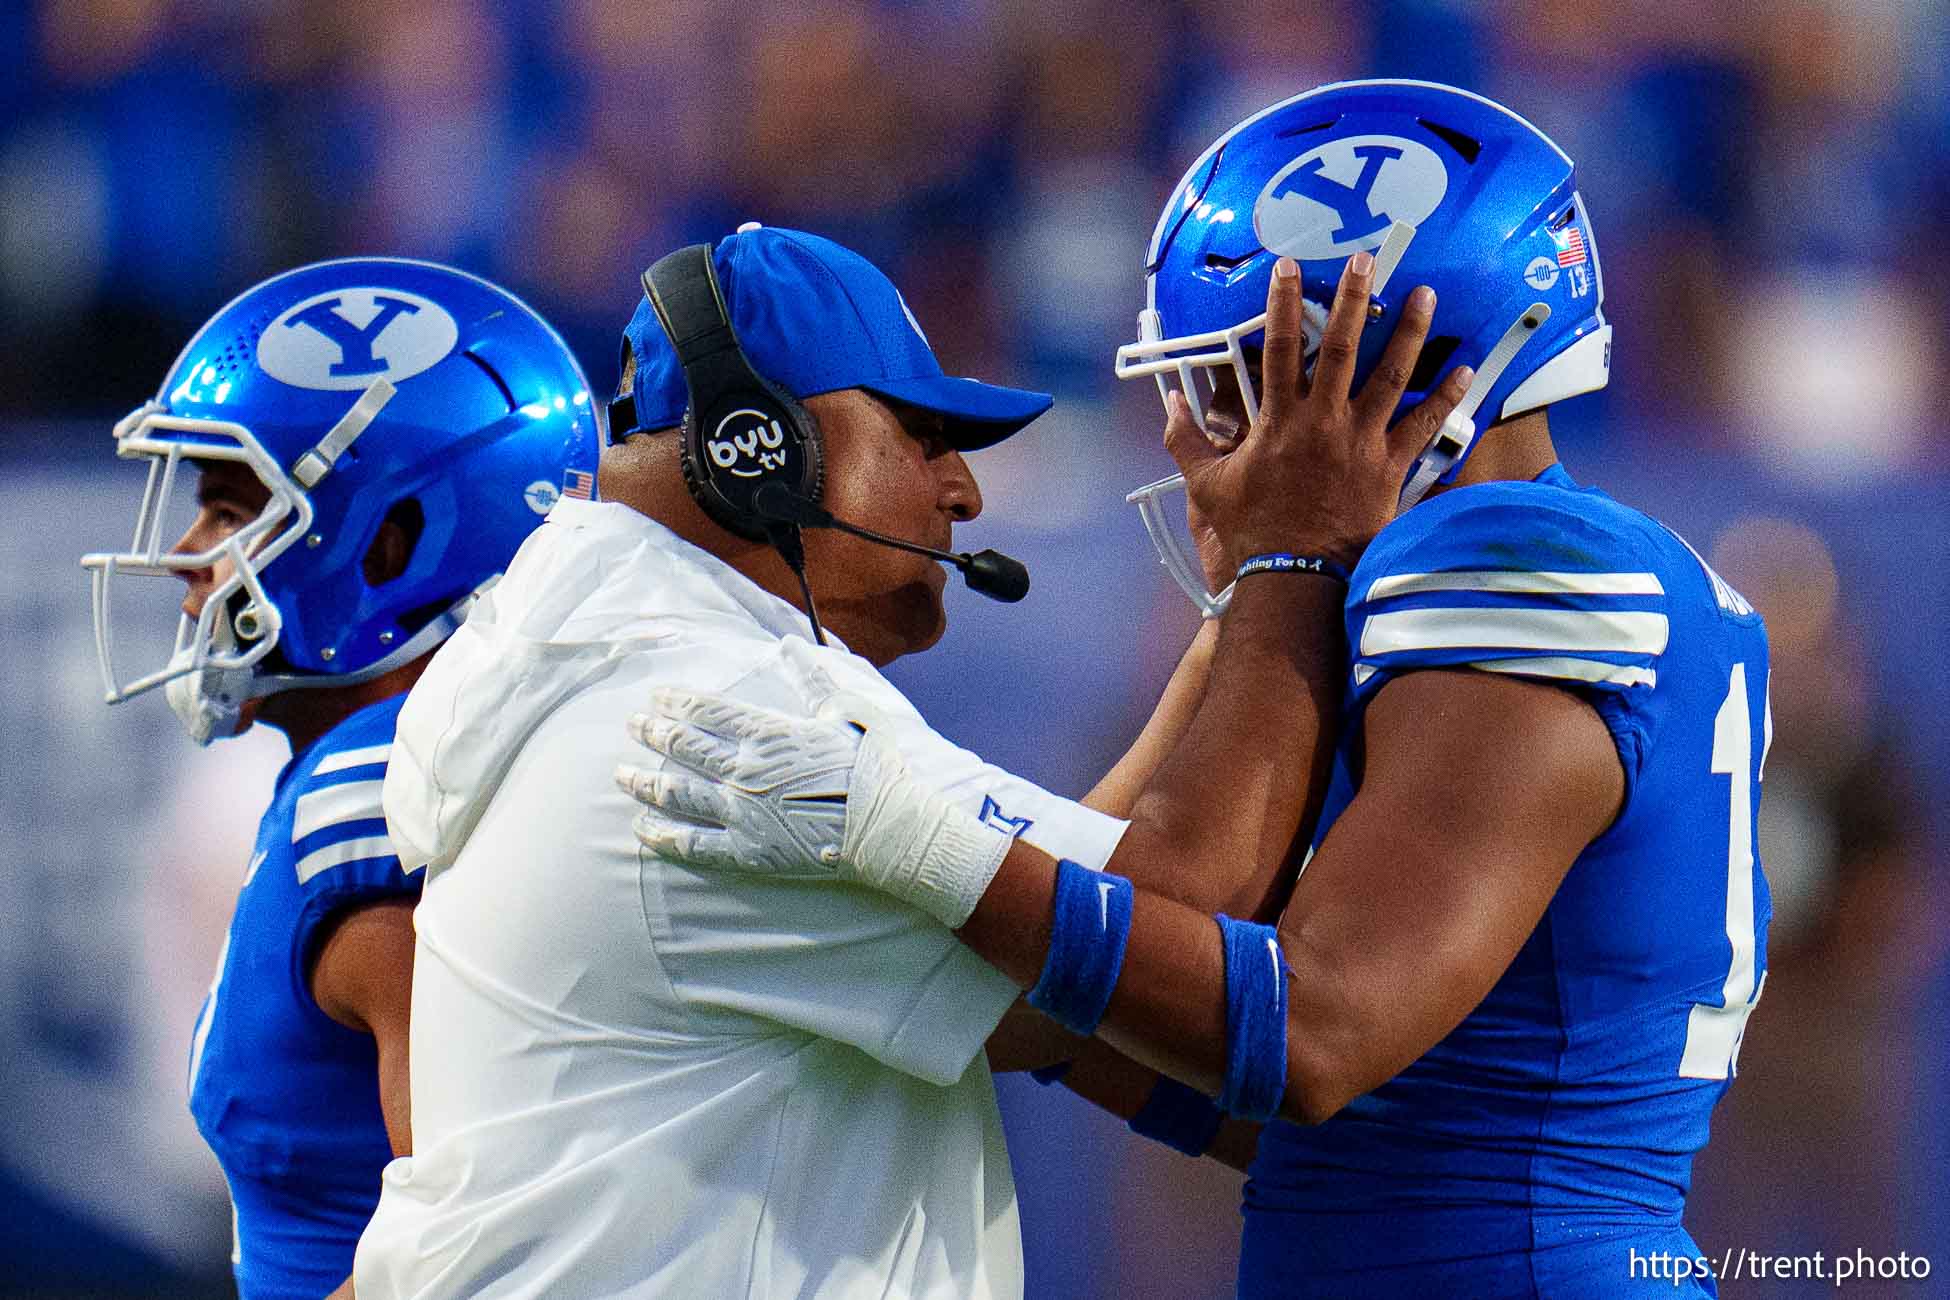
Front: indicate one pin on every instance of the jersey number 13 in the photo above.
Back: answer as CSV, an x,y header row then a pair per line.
x,y
1713,1032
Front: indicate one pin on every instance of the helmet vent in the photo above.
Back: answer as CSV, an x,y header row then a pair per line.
x,y
495,378
1435,354
240,351
1219,262
1290,132
1467,146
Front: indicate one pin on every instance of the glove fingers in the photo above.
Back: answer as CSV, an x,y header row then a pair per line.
x,y
686,743
717,714
677,792
702,846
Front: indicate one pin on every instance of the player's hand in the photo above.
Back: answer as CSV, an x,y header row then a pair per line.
x,y
1214,560
1319,473
746,788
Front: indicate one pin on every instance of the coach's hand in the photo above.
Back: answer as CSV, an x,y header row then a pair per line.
x,y
745,788
1319,473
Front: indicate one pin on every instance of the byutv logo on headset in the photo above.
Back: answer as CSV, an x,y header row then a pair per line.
x,y
747,443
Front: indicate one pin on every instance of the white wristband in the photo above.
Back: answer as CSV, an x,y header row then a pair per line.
x,y
912,842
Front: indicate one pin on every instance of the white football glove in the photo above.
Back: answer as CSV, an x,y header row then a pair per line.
x,y
745,788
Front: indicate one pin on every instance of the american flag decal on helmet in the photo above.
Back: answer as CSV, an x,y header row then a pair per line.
x,y
578,483
1570,246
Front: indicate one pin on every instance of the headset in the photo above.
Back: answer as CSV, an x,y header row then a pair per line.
x,y
751,454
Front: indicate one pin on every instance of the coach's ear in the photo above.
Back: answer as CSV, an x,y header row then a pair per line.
x,y
392,547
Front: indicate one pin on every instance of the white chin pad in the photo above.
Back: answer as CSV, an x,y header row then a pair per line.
x,y
209,702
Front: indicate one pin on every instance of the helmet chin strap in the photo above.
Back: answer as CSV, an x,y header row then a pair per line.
x,y
1389,256
426,639
317,463
1458,433
209,702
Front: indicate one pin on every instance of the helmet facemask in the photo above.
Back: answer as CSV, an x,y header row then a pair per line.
x,y
212,669
1182,359
1499,232
1198,366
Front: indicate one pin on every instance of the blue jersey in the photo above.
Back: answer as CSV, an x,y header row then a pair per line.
x,y
1545,1146
286,1096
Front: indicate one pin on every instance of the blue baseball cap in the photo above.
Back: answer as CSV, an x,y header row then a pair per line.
x,y
814,317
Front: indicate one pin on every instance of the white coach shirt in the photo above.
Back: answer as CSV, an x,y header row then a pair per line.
x,y
632,1078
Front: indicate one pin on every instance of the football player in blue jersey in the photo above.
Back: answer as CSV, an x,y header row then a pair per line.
x,y
1513,728
368,441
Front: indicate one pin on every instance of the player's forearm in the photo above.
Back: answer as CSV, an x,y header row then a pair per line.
x,y
1108,1079
1028,1040
1112,1081
1213,826
1168,1008
1118,792
1236,1144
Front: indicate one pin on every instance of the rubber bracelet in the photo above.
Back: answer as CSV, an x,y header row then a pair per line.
x,y
1091,922
1286,562
1182,1118
1255,1077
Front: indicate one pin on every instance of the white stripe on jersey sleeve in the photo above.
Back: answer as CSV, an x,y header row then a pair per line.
x,y
1580,670
337,855
352,758
1537,582
334,804
1577,670
1611,632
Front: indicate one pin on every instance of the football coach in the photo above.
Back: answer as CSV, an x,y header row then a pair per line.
x,y
632,1077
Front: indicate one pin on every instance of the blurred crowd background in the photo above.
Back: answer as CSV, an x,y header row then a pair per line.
x,y
1770,193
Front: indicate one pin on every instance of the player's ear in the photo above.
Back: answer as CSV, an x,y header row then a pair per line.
x,y
392,547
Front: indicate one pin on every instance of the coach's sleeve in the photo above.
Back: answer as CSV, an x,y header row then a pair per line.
x,y
846,962
1062,828
840,961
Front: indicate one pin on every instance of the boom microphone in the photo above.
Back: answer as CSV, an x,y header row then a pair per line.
x,y
991,573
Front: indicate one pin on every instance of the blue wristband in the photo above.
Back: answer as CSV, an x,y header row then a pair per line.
x,y
1180,1117
1287,562
1086,947
1255,1020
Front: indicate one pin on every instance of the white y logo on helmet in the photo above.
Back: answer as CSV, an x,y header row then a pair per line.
x,y
349,338
1342,196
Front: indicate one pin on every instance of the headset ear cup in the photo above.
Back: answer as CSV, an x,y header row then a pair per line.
x,y
802,442
758,433
812,480
697,480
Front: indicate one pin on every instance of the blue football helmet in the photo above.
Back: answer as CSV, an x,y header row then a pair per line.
x,y
1449,189
348,387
